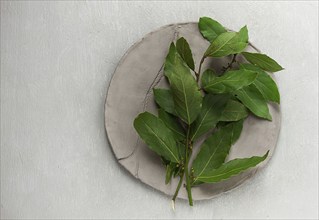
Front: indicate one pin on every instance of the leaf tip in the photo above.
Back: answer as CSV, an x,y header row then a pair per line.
x,y
180,39
268,117
243,29
266,155
172,46
202,18
279,68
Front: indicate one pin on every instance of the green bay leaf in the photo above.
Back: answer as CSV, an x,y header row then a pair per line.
x,y
186,94
208,75
164,98
264,83
254,101
229,82
230,169
234,111
228,43
157,136
215,148
213,106
185,52
210,28
263,61
172,123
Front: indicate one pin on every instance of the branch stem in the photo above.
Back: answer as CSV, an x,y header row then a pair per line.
x,y
199,69
229,66
178,186
188,153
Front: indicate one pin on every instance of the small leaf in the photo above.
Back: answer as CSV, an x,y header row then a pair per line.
x,y
213,106
210,28
243,34
229,82
264,83
170,169
157,136
172,123
234,111
164,98
230,169
228,43
185,52
254,101
215,149
263,61
186,94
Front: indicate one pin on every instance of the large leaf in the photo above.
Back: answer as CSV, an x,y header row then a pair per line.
x,y
230,169
164,98
264,83
185,52
228,43
157,136
210,28
263,61
213,106
229,82
234,111
215,149
186,94
254,101
172,123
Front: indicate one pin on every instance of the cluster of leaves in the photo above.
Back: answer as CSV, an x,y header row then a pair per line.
x,y
208,104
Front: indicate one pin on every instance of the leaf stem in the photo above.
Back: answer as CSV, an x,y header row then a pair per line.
x,y
187,156
229,66
199,69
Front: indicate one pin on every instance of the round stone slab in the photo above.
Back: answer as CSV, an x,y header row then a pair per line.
x,y
130,93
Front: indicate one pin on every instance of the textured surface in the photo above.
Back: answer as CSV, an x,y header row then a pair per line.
x,y
57,59
139,71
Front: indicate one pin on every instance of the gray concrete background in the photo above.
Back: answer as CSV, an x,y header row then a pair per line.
x,y
57,59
